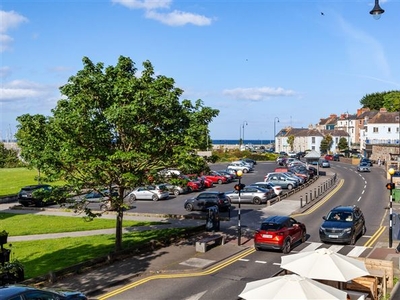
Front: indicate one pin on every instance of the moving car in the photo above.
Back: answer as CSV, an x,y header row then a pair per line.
x,y
27,197
324,163
363,167
367,161
21,292
250,194
279,233
150,192
207,199
343,224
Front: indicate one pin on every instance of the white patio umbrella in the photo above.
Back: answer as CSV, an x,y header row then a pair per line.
x,y
288,287
324,264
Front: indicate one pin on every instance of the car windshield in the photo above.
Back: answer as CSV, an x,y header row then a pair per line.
x,y
340,216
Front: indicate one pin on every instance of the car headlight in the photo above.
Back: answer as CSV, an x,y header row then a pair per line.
x,y
347,230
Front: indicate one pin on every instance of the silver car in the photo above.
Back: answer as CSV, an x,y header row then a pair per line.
x,y
150,192
363,167
251,194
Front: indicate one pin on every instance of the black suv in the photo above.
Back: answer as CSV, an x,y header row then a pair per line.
x,y
207,199
26,195
343,224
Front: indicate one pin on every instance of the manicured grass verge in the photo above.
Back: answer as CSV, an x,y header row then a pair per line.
x,y
28,224
13,179
42,256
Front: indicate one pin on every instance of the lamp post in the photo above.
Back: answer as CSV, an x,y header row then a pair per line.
x,y
377,11
244,123
390,186
275,119
238,187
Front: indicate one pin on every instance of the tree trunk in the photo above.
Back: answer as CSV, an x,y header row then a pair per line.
x,y
118,228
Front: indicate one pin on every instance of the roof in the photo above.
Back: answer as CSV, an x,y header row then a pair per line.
x,y
312,154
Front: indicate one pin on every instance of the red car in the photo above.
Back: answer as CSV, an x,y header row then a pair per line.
x,y
193,186
216,177
328,157
279,233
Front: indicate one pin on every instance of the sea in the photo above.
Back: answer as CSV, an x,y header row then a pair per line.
x,y
246,142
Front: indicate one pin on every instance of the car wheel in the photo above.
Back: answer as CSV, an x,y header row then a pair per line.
x,y
257,200
219,181
364,230
189,207
245,170
229,199
132,198
353,239
103,207
257,248
176,192
286,247
304,236
289,187
154,198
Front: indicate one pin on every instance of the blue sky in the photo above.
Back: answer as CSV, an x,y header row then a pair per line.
x,y
255,61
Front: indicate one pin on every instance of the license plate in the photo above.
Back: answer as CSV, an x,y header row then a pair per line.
x,y
24,196
333,236
267,236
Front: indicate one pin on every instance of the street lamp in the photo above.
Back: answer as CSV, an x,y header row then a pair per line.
x,y
244,123
390,187
275,119
238,187
377,11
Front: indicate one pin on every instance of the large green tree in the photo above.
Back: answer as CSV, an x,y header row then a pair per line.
x,y
114,128
389,100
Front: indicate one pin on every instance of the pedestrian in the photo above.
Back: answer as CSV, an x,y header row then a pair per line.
x,y
398,249
379,161
383,162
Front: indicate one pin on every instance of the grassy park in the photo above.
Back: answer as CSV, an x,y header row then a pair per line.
x,y
42,256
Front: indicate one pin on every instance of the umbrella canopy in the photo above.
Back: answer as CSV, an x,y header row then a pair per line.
x,y
290,287
324,264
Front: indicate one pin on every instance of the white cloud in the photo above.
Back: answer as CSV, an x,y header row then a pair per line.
x,y
20,90
174,18
258,94
9,20
144,4
178,18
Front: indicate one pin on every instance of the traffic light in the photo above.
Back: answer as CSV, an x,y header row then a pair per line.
x,y
390,186
239,187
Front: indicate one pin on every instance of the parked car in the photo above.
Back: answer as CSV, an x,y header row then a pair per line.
x,y
249,160
193,185
207,182
249,165
215,177
150,192
207,199
328,157
279,233
343,224
237,167
324,163
363,167
232,172
176,190
336,157
265,184
229,176
250,194
27,197
281,180
99,195
21,292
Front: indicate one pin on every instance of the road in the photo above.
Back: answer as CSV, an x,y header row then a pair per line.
x,y
361,189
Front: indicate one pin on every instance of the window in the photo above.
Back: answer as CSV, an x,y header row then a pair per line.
x,y
375,130
389,130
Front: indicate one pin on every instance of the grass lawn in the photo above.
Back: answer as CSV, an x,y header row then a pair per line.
x,y
42,256
13,179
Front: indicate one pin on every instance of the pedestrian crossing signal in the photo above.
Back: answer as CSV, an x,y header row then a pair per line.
x,y
239,187
390,186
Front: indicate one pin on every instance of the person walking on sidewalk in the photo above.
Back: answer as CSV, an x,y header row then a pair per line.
x,y
398,249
